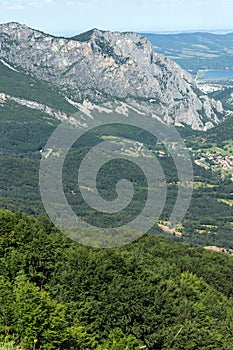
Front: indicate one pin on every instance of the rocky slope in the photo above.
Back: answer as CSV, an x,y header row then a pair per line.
x,y
107,67
34,105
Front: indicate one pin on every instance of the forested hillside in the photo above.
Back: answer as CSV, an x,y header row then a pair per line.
x,y
195,51
153,294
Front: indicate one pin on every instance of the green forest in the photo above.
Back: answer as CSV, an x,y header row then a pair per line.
x,y
152,294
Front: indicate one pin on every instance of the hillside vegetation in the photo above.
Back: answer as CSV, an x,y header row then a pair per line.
x,y
195,51
56,294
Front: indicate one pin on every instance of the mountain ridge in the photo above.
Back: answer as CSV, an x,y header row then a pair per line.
x,y
109,67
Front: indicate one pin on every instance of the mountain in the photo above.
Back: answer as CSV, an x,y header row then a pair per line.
x,y
31,108
195,51
152,294
120,69
221,135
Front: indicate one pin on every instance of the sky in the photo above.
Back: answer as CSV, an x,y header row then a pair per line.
x,y
70,17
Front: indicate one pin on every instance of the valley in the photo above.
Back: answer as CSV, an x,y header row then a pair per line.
x,y
37,107
172,287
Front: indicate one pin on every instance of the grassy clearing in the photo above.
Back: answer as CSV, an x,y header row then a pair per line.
x,y
226,201
198,184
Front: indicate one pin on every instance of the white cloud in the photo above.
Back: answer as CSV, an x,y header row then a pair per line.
x,y
193,3
40,3
87,4
22,4
15,5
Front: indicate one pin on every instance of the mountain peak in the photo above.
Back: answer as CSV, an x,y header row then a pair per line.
x,y
102,66
107,35
86,36
13,25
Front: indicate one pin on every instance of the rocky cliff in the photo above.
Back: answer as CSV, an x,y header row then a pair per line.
x,y
107,67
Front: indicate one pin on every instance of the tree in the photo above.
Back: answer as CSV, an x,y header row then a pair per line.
x,y
118,341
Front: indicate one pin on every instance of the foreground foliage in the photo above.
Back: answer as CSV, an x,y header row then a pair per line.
x,y
152,294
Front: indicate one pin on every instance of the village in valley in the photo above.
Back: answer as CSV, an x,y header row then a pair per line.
x,y
215,158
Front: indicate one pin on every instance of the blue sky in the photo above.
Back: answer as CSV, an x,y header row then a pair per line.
x,y
68,17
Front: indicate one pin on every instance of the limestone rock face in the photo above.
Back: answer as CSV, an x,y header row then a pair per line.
x,y
111,66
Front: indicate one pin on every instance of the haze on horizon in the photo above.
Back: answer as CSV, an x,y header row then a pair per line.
x,y
70,17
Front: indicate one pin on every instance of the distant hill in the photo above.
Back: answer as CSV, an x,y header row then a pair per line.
x,y
195,51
